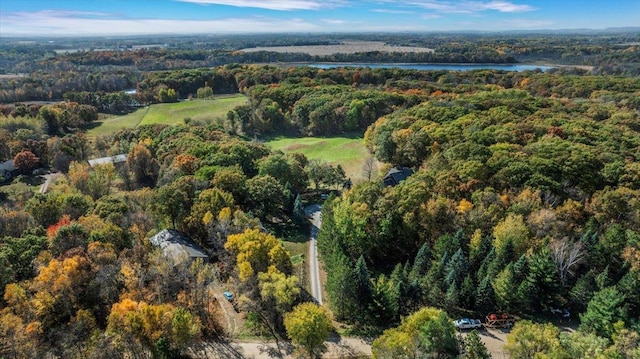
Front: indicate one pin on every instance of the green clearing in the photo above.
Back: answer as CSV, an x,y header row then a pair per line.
x,y
349,152
170,114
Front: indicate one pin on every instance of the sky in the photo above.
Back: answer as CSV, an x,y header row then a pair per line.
x,y
141,17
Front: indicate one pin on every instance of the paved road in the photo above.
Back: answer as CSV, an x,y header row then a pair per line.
x,y
313,213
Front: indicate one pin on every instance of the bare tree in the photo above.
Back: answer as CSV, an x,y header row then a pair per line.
x,y
566,255
369,167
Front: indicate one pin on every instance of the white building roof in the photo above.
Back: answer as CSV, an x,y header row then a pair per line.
x,y
175,245
104,160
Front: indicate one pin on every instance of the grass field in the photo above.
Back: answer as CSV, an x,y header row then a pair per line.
x,y
349,152
170,114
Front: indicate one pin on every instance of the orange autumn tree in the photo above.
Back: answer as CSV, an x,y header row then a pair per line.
x,y
53,229
138,325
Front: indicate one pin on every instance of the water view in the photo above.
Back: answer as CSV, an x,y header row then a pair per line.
x,y
454,67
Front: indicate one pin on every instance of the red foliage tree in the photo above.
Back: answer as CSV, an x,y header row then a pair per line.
x,y
53,229
25,161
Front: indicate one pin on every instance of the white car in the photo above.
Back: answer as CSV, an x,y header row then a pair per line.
x,y
466,323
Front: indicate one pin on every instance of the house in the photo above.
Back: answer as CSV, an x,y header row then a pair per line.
x,y
177,246
104,160
7,169
396,175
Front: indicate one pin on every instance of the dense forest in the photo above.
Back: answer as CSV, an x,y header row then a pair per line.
x,y
49,69
525,198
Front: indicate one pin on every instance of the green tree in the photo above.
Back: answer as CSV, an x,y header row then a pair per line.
x,y
543,277
363,292
428,332
184,328
173,203
438,338
474,347
204,92
267,196
339,286
308,326
512,229
528,340
583,345
422,262
605,309
46,209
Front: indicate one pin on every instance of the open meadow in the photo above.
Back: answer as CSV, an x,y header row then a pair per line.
x,y
349,152
170,113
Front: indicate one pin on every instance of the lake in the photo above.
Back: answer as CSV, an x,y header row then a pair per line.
x,y
453,67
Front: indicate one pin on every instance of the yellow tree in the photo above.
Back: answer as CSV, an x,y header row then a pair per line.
x,y
79,176
149,324
256,251
426,332
512,229
59,288
531,340
308,326
282,288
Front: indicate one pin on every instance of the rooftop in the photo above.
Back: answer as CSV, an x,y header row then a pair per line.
x,y
397,175
104,160
176,245
7,166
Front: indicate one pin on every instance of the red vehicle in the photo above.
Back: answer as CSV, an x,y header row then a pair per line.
x,y
502,320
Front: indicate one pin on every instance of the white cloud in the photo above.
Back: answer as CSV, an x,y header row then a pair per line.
x,y
390,11
67,23
430,16
465,7
281,5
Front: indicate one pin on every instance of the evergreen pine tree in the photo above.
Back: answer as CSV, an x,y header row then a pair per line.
x,y
456,269
400,287
467,293
485,296
452,297
422,262
362,289
475,348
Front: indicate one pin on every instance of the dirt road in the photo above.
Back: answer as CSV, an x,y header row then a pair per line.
x,y
336,348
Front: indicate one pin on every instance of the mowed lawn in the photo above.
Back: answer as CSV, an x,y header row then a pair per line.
x,y
348,152
171,113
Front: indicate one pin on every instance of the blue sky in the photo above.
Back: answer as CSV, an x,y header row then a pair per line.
x,y
136,17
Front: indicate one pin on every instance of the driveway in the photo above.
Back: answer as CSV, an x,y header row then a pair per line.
x,y
313,213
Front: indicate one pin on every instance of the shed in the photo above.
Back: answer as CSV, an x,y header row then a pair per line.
x,y
175,245
396,175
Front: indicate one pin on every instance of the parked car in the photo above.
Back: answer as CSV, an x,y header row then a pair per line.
x,y
228,295
466,323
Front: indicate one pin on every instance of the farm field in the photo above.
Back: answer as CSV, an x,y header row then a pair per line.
x,y
349,152
345,47
170,113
